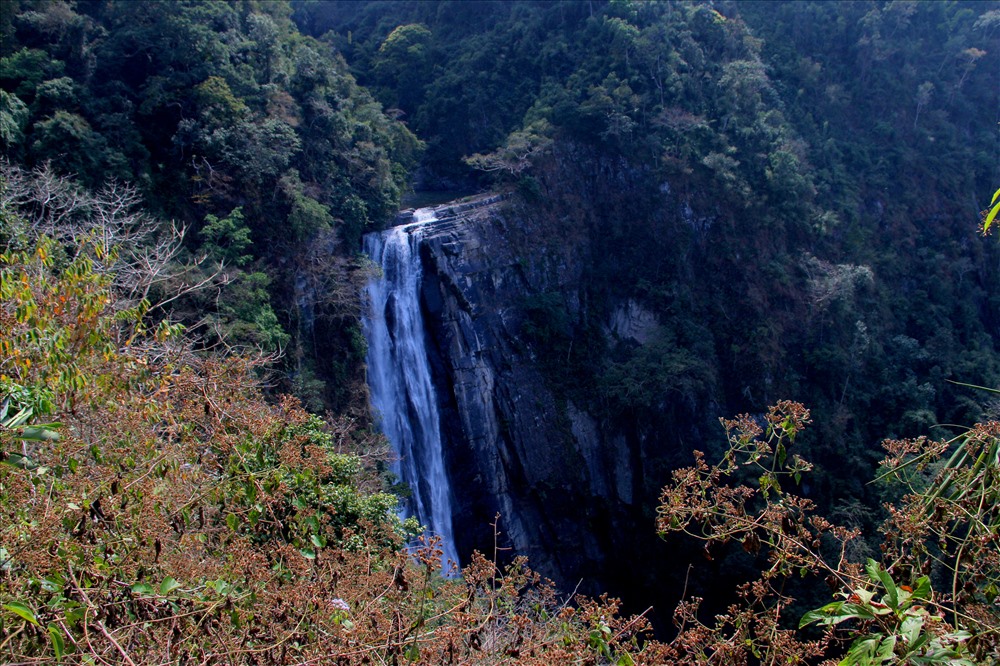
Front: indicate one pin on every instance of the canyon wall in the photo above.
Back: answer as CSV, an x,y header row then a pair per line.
x,y
571,490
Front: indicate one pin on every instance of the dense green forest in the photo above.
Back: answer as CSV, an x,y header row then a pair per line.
x,y
793,190
834,153
251,137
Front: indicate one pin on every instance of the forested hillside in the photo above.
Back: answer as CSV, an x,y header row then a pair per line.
x,y
251,137
717,207
834,158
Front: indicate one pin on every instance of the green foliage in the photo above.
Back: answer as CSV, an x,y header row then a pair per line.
x,y
904,629
402,65
227,239
547,323
320,503
308,217
54,321
208,107
70,139
23,611
218,103
246,316
13,118
518,152
23,71
21,406
650,375
991,213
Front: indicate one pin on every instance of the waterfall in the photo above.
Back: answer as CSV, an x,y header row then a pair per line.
x,y
399,377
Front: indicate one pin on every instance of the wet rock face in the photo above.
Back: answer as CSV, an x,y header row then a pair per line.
x,y
566,489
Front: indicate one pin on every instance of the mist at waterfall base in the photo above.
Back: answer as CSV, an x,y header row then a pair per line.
x,y
399,378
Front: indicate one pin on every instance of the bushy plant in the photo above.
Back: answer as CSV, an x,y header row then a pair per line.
x,y
932,598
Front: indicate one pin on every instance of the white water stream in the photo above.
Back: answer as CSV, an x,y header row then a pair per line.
x,y
399,377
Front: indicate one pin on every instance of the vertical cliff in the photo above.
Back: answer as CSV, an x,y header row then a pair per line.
x,y
570,488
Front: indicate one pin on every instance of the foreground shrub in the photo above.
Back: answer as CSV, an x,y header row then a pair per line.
x,y
931,600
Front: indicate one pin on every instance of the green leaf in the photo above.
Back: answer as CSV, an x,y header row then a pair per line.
x,y
308,553
142,588
168,585
18,419
992,215
22,462
862,651
23,611
877,573
39,434
55,584
58,645
75,614
885,650
825,615
835,613
412,652
910,629
233,522
922,589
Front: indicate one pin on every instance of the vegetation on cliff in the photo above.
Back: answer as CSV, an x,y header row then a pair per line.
x,y
787,190
786,183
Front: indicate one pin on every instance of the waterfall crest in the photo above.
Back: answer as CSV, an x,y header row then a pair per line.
x,y
399,377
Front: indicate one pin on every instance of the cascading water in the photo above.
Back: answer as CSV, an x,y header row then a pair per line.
x,y
399,376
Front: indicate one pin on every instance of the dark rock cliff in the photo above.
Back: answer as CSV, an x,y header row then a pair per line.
x,y
572,491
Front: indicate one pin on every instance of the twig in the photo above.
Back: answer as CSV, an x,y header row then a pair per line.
x,y
100,625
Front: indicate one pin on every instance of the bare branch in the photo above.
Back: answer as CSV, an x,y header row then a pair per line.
x,y
142,256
